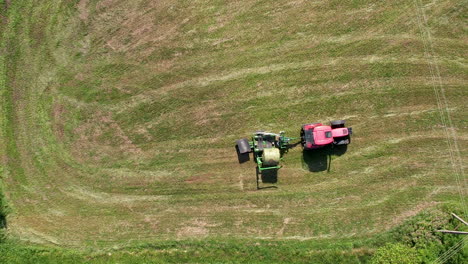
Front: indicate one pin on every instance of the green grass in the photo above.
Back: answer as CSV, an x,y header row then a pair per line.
x,y
119,118
211,251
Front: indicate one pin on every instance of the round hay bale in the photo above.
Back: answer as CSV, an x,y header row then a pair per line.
x,y
271,156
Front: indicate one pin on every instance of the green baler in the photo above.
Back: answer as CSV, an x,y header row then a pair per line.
x,y
267,148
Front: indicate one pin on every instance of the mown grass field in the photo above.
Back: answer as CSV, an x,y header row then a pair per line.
x,y
119,119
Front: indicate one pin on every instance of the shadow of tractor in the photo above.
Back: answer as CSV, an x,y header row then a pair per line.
x,y
320,159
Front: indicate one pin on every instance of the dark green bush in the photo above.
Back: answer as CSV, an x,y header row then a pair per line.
x,y
420,233
395,254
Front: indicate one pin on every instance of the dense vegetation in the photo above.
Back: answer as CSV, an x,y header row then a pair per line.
x,y
118,120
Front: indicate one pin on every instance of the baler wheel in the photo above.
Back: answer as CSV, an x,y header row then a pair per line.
x,y
243,149
243,146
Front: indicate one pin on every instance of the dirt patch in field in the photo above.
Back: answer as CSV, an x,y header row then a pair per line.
x,y
152,221
195,228
206,113
102,137
192,231
105,4
58,119
286,221
141,28
83,10
200,178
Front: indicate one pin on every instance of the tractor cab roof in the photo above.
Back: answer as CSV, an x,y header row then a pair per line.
x,y
320,134
323,135
322,128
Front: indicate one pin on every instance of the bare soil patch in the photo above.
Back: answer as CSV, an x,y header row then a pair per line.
x,y
58,119
101,137
200,178
83,9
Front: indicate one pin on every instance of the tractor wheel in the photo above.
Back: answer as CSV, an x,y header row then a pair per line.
x,y
337,123
243,146
302,138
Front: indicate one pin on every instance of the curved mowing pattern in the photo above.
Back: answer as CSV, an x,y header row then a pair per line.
x,y
119,119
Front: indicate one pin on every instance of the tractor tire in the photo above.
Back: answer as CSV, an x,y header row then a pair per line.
x,y
342,141
243,146
337,123
302,138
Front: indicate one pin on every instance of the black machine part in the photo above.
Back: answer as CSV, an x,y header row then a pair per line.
x,y
243,145
306,137
342,140
337,123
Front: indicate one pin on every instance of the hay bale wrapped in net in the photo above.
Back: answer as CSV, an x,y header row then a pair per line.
x,y
271,156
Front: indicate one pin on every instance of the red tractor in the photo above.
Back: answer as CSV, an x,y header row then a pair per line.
x,y
317,135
